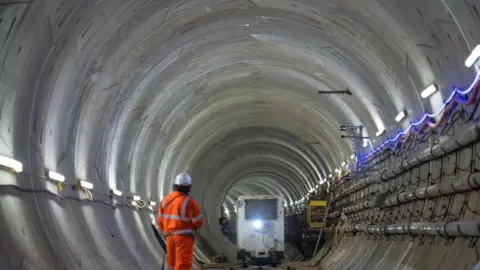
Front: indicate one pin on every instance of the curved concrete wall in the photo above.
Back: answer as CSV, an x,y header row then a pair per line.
x,y
429,218
125,94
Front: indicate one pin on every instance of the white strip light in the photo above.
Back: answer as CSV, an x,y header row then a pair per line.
x,y
17,166
56,176
86,184
400,116
352,156
429,91
117,192
136,198
344,163
473,57
152,203
380,132
330,175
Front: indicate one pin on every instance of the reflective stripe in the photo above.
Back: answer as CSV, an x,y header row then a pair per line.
x,y
184,206
197,218
180,232
170,267
163,205
175,217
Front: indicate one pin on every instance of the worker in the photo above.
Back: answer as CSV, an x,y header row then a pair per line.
x,y
179,217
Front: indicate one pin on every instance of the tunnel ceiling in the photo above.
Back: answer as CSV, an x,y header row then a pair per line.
x,y
125,94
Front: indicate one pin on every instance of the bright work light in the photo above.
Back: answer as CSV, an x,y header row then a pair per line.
x,y
257,224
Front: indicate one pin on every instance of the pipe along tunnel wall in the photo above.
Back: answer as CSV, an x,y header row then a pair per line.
x,y
125,94
420,209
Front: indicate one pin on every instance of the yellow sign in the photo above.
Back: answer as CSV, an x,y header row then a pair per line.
x,y
316,214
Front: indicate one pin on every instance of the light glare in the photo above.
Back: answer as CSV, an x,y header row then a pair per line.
x,y
257,224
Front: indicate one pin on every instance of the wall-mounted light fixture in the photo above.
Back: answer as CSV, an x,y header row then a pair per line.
x,y
11,163
116,192
85,184
400,116
55,176
380,132
429,91
473,57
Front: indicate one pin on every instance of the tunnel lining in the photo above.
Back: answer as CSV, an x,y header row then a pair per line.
x,y
52,53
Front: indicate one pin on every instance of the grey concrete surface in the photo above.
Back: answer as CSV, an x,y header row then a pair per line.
x,y
127,93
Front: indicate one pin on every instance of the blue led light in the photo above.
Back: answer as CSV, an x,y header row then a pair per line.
x,y
454,93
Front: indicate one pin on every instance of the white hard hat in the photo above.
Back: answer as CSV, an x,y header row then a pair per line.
x,y
183,179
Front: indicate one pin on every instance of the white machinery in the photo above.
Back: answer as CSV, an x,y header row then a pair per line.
x,y
260,229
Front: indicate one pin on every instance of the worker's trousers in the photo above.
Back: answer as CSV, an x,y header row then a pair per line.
x,y
179,252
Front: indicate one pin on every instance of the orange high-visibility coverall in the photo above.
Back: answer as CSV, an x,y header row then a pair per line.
x,y
179,216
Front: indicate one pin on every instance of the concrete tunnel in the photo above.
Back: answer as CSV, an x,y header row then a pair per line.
x,y
126,94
